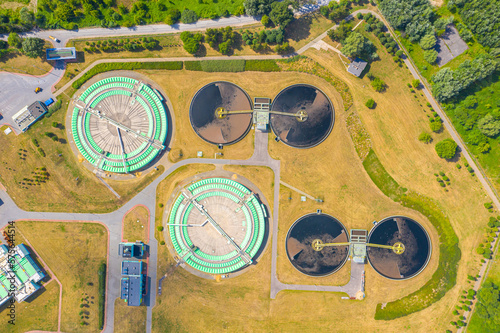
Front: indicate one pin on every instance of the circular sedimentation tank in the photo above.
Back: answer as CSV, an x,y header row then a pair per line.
x,y
306,116
208,116
217,225
417,248
119,124
308,229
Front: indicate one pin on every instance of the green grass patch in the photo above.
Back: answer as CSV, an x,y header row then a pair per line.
x,y
101,68
381,177
223,65
268,65
193,66
101,273
445,276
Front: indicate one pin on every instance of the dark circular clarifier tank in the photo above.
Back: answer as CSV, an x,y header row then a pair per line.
x,y
220,130
416,242
299,244
307,116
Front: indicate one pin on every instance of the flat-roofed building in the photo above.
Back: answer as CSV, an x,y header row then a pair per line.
x,y
61,53
29,115
19,274
132,283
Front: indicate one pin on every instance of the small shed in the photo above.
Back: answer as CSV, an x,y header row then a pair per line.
x,y
357,66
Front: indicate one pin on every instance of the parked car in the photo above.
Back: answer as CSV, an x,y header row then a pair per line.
x,y
48,102
38,89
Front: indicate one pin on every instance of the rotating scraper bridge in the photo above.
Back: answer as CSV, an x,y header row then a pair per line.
x,y
119,124
217,226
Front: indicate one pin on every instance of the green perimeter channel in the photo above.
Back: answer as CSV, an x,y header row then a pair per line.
x,y
445,276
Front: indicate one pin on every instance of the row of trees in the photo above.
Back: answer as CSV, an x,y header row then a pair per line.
x,y
449,83
279,13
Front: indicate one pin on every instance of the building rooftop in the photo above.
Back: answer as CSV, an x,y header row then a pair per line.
x,y
132,289
131,267
21,274
29,114
357,66
129,250
61,53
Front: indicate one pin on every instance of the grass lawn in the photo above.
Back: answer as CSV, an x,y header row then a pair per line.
x,y
72,187
136,225
73,251
16,62
129,319
39,312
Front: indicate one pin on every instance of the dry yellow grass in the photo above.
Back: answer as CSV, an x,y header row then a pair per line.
x,y
135,225
39,312
181,86
19,63
72,187
73,251
334,172
129,319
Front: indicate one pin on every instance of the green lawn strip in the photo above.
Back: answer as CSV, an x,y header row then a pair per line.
x,y
113,66
445,276
262,66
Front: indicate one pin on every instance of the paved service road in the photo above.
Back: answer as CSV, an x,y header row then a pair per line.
x,y
17,91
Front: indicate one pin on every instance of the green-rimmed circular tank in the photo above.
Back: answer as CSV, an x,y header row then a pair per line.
x,y
119,124
217,225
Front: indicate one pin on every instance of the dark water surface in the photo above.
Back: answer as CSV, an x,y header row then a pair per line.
x,y
416,242
315,128
304,257
208,126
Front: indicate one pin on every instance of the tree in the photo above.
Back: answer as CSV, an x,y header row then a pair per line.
x,y
356,45
26,16
33,47
188,16
428,41
446,148
370,104
430,56
436,126
378,84
191,42
265,20
425,137
257,7
341,33
173,16
489,125
280,14
14,40
415,83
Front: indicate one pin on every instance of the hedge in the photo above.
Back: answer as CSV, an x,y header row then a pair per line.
x,y
193,66
223,65
262,66
113,66
101,274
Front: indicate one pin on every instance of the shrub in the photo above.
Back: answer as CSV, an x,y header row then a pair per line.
x,y
446,148
223,65
415,83
370,103
430,56
162,243
436,126
193,66
378,84
265,20
160,228
188,16
425,137
459,166
488,205
173,16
